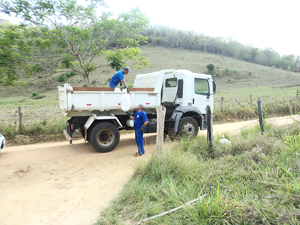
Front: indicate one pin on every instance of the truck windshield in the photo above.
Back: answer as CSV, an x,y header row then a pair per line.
x,y
201,86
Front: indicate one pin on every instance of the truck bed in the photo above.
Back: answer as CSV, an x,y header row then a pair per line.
x,y
82,100
110,89
78,99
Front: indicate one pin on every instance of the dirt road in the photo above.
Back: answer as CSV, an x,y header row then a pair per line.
x,y
58,183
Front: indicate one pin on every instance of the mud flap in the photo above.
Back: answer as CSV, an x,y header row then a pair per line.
x,y
68,136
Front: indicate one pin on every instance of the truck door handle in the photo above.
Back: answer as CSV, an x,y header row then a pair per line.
x,y
193,101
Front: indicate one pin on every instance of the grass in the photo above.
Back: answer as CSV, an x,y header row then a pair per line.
x,y
246,112
37,131
40,117
255,180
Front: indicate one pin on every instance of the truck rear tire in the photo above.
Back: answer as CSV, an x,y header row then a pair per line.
x,y
104,137
188,127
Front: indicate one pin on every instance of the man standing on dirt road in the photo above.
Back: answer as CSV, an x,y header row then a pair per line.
x,y
118,77
140,122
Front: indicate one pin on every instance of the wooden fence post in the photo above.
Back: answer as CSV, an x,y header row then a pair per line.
x,y
161,112
222,104
233,101
20,119
260,114
251,100
210,130
270,97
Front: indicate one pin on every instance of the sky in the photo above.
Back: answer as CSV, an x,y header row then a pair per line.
x,y
260,23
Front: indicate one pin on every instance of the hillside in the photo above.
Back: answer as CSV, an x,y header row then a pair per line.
x,y
242,75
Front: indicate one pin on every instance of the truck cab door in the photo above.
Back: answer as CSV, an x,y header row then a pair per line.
x,y
169,90
202,94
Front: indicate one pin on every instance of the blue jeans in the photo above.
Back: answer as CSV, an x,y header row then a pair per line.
x,y
139,141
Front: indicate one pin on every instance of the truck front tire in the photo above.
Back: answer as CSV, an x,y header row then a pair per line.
x,y
188,127
104,137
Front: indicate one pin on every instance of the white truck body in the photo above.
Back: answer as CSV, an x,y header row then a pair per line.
x,y
183,93
76,101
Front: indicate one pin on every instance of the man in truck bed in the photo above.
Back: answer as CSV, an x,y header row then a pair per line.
x,y
119,77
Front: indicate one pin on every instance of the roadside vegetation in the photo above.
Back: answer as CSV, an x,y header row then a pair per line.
x,y
255,180
42,120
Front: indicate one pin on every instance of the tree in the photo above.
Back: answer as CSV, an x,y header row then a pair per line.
x,y
76,36
211,68
12,50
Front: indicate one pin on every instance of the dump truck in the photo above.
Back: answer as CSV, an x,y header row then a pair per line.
x,y
97,111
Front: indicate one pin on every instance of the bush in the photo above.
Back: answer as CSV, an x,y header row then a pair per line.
x,y
61,78
70,74
34,94
211,69
39,97
84,85
9,131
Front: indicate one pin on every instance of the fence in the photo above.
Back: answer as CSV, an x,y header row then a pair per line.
x,y
244,107
242,101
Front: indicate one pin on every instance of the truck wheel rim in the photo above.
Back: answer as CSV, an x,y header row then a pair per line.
x,y
106,137
188,129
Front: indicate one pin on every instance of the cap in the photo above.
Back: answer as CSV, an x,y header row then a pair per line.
x,y
127,68
141,104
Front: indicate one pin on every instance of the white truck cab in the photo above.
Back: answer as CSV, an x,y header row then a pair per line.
x,y
98,114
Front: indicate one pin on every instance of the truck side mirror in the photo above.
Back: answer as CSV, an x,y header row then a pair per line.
x,y
180,88
214,86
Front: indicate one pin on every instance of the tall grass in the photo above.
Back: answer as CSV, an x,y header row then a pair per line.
x,y
35,129
255,180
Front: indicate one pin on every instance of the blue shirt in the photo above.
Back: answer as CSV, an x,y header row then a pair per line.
x,y
116,79
139,119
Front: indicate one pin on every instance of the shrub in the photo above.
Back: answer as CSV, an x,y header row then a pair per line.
x,y
211,69
61,78
34,94
9,131
70,74
39,97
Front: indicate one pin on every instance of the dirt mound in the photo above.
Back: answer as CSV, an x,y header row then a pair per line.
x,y
22,139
